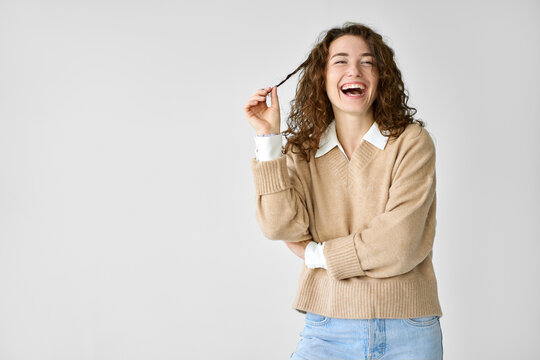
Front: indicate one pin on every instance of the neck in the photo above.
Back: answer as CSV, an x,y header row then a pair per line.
x,y
351,128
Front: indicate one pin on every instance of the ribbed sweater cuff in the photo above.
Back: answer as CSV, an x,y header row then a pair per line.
x,y
341,258
270,176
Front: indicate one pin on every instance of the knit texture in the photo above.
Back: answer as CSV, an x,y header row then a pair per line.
x,y
376,215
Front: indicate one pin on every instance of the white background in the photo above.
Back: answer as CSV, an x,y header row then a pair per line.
x,y
127,226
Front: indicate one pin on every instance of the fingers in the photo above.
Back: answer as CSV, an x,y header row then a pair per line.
x,y
254,100
263,91
274,98
257,97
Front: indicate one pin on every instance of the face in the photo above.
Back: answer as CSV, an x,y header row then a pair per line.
x,y
351,76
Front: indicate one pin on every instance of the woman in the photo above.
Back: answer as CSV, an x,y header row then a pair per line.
x,y
353,194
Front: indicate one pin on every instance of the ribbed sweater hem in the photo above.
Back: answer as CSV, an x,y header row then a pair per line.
x,y
357,299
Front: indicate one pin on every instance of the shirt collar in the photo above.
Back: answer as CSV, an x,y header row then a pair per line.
x,y
329,139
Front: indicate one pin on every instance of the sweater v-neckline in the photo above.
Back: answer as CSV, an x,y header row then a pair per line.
x,y
346,168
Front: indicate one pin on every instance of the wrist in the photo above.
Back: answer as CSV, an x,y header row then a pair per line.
x,y
268,133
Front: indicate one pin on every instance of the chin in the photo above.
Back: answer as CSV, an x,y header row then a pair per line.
x,y
359,111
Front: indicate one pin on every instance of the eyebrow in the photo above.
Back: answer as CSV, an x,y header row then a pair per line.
x,y
345,54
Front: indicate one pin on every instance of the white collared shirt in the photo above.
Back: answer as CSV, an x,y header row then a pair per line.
x,y
329,140
270,148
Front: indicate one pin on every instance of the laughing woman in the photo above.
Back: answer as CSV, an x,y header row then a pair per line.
x,y
352,193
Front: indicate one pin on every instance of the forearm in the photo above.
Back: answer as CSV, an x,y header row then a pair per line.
x,y
280,205
282,216
394,242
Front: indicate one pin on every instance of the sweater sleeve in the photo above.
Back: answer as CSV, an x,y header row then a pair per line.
x,y
280,206
397,240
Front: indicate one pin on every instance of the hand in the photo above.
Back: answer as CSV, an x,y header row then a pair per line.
x,y
298,248
265,120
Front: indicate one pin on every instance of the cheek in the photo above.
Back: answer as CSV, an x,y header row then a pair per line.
x,y
375,80
329,90
330,84
327,81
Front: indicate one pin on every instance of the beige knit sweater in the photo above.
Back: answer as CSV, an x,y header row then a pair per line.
x,y
376,214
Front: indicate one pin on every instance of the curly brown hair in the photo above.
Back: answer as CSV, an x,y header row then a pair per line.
x,y
311,110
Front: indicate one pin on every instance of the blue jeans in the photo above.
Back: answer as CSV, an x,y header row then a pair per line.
x,y
325,338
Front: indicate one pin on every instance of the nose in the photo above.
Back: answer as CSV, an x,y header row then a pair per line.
x,y
354,70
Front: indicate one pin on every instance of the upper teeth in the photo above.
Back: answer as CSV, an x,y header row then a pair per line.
x,y
353,86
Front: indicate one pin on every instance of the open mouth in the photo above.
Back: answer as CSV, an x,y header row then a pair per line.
x,y
354,90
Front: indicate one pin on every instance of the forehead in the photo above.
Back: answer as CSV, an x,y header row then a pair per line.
x,y
350,44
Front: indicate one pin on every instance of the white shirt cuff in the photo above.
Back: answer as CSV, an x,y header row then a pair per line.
x,y
314,256
268,147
